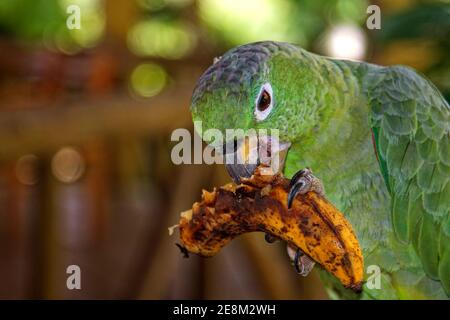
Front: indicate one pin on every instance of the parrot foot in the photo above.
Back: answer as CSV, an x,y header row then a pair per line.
x,y
270,238
302,182
302,263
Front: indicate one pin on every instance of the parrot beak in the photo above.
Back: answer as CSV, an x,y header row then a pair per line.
x,y
243,156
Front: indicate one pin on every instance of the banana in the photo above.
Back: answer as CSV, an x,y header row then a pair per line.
x,y
260,204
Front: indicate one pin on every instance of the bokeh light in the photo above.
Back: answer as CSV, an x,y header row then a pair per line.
x,y
68,165
250,20
346,42
148,79
160,38
26,169
92,19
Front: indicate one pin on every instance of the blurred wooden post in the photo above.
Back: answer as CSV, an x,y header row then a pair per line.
x,y
42,235
120,16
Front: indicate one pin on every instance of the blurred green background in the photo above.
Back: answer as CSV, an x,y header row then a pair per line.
x,y
85,122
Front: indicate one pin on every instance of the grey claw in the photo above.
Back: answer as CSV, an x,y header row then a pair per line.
x,y
293,192
299,184
183,250
298,253
296,176
303,264
269,238
302,182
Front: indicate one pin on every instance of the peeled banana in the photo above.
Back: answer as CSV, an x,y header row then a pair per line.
x,y
260,204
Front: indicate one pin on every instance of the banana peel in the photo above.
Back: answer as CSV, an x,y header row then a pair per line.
x,y
259,203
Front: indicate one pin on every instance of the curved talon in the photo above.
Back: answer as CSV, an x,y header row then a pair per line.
x,y
302,182
269,238
293,192
306,263
183,250
297,263
303,264
296,176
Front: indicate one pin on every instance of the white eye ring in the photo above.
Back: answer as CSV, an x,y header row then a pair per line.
x,y
260,115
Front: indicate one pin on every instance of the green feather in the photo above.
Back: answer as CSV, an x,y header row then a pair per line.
x,y
381,160
398,125
428,150
427,245
415,209
400,217
426,178
444,253
444,149
411,161
433,130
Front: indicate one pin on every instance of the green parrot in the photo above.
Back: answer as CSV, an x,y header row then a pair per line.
x,y
377,137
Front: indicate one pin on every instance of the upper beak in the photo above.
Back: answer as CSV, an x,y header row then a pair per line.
x,y
243,156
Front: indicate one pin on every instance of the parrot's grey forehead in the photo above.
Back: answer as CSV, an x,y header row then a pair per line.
x,y
239,67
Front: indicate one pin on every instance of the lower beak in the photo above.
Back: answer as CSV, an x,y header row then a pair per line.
x,y
243,156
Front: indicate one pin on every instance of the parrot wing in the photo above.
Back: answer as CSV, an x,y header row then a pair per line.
x,y
410,122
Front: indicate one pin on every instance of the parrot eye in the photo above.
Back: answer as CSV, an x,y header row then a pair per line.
x,y
264,102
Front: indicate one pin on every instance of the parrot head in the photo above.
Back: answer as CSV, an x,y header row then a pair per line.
x,y
254,87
